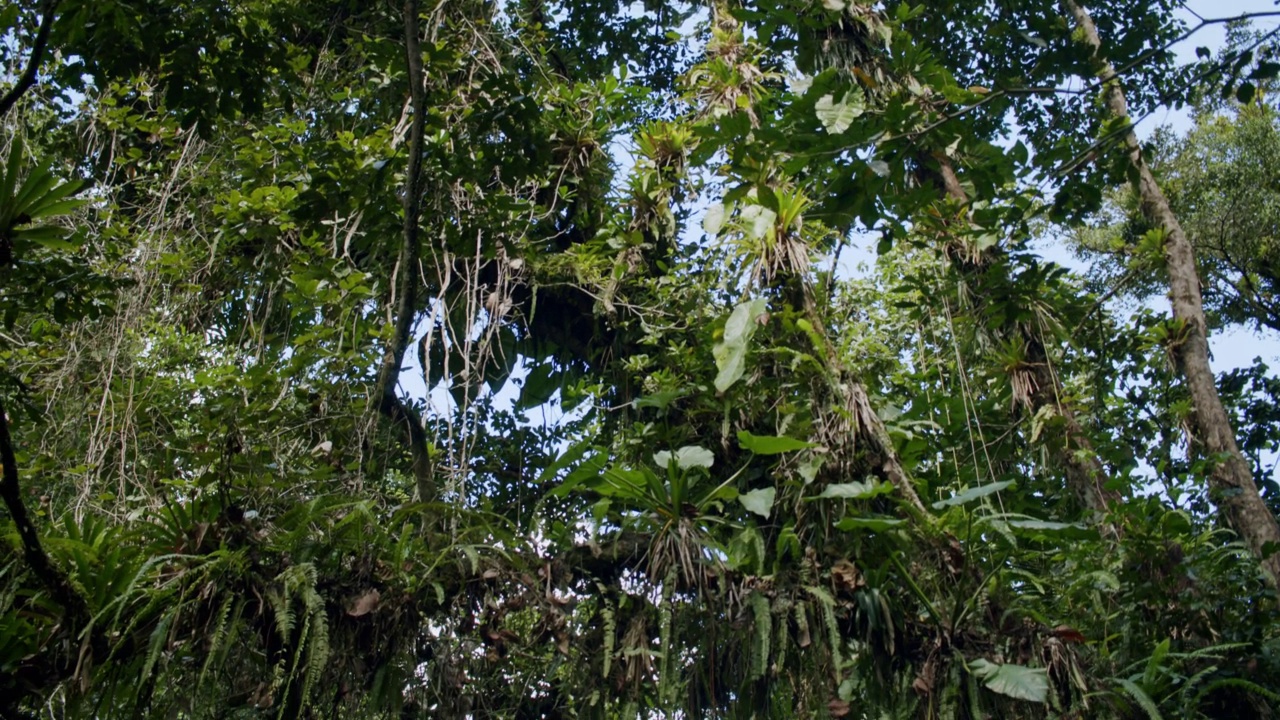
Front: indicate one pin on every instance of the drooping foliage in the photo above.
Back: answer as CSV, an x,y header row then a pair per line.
x,y
472,359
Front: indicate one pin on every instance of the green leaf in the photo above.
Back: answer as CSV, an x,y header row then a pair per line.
x,y
714,219
53,238
731,353
1141,697
589,469
770,445
1043,528
660,400
759,501
37,184
1265,71
689,456
855,490
539,385
1015,681
836,117
1154,662
58,207
874,523
1246,92
758,219
972,494
808,469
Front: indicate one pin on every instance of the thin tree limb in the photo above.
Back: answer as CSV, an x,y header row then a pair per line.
x,y
406,291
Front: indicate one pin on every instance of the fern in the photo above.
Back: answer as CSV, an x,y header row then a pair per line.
x,y
312,643
281,610
158,637
1240,683
219,638
760,641
1141,697
317,652
610,617
666,672
828,605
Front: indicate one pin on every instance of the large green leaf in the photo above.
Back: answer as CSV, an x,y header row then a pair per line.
x,y
1015,681
855,490
837,116
873,523
974,493
687,457
759,501
731,353
770,445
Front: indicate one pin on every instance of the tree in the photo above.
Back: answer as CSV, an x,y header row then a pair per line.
x,y
1217,176
273,380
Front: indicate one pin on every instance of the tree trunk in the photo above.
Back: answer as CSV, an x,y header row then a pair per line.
x,y
406,278
1231,482
1073,450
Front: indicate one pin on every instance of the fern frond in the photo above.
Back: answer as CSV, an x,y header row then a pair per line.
x,y
828,606
1141,697
760,644
610,617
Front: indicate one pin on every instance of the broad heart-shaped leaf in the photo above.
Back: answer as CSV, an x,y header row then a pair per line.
x,y
836,117
713,220
757,220
731,353
856,490
873,523
759,501
689,456
1015,681
770,445
972,494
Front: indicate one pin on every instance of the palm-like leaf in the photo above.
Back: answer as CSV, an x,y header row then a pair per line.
x,y
39,196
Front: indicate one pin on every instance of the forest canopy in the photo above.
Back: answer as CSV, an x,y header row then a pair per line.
x,y
407,359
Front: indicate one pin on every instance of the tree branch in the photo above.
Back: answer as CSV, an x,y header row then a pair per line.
x,y
389,404
11,490
28,78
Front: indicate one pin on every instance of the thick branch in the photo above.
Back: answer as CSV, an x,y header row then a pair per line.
x,y
27,80
11,490
1230,480
389,404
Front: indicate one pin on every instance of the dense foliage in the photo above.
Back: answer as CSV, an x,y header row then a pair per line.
x,y
475,359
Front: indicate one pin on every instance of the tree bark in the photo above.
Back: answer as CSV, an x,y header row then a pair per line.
x,y
1231,482
54,580
406,290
